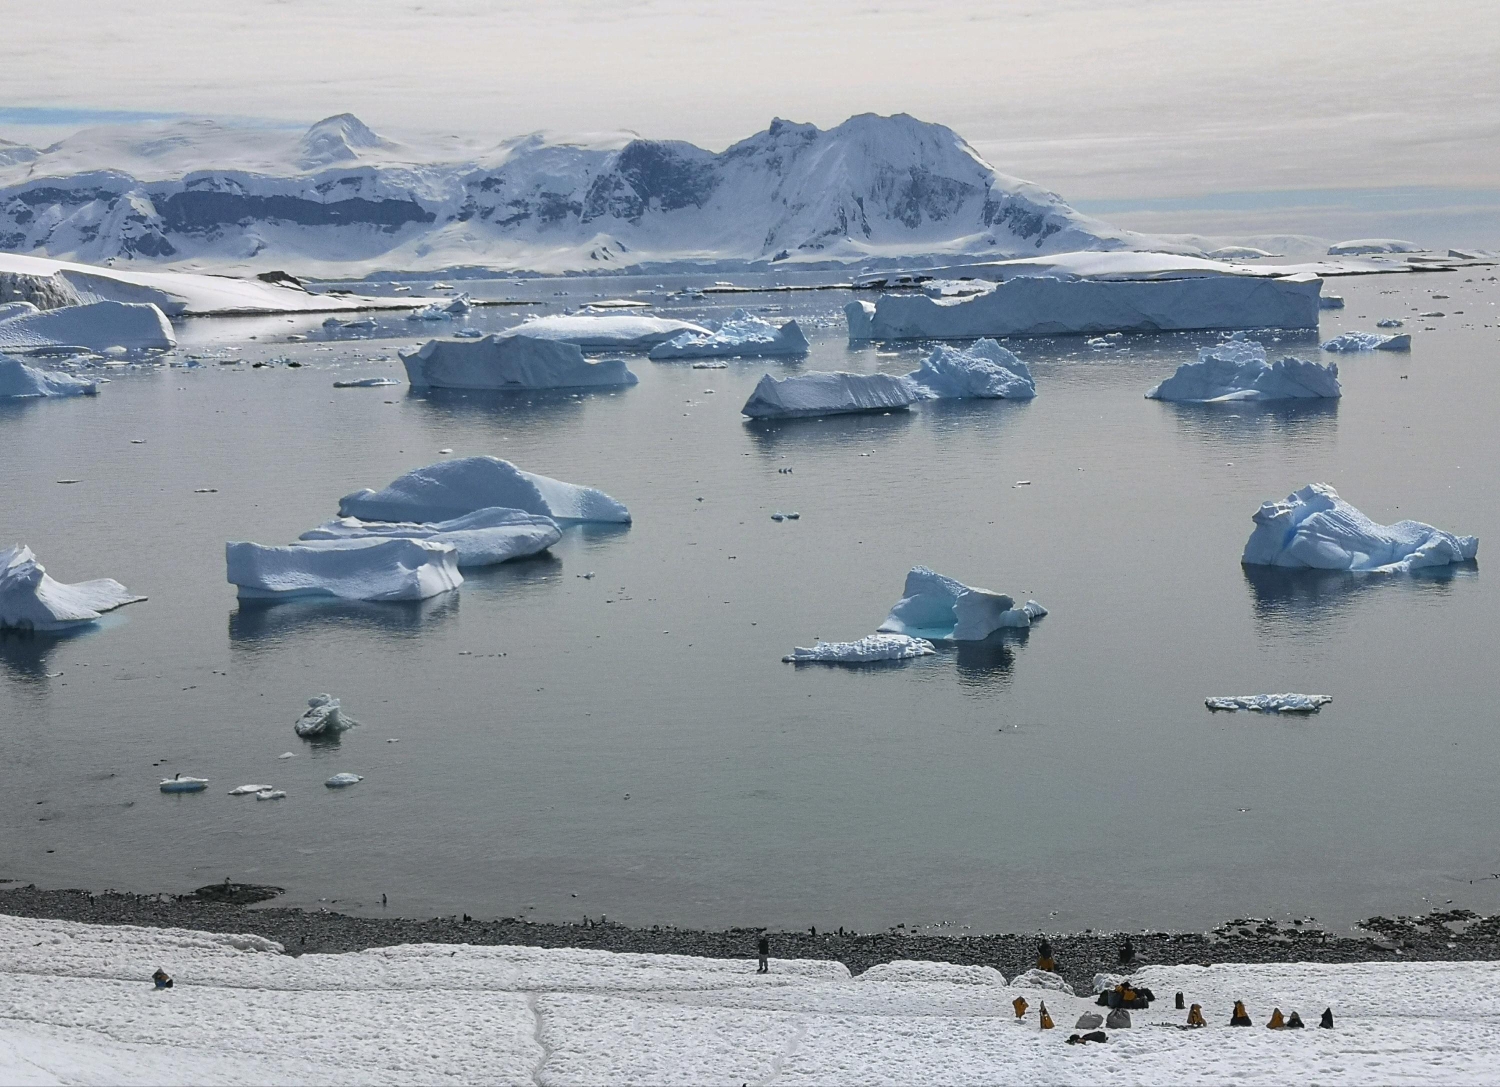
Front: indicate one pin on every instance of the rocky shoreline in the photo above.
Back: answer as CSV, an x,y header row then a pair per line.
x,y
1456,935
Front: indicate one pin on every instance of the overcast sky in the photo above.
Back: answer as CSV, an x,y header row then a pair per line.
x,y
1093,98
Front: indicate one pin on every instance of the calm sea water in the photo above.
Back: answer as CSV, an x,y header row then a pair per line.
x,y
631,745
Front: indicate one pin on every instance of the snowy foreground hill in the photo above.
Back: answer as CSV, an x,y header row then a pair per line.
x,y
77,1006
340,200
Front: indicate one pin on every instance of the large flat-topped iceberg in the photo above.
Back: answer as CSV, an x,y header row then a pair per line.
x,y
454,488
984,370
1359,247
938,608
1316,528
31,600
743,335
94,326
624,331
872,647
510,362
826,393
482,538
368,569
21,382
1049,306
1368,341
1238,370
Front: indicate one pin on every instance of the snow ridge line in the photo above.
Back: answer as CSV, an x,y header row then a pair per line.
x,y
536,1032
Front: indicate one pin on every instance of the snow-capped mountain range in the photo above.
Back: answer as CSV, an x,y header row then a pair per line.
x,y
340,200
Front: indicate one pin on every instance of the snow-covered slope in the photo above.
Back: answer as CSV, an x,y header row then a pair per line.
x,y
338,198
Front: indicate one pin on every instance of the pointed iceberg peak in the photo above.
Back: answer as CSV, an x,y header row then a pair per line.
x,y
339,138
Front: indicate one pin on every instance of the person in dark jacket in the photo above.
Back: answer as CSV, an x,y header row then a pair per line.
x,y
763,949
162,979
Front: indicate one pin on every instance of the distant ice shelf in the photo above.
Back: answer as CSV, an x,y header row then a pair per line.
x,y
510,362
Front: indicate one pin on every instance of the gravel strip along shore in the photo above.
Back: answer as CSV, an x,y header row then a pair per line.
x,y
1455,935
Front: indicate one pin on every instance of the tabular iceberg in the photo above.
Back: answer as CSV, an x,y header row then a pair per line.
x,y
371,569
938,608
1270,703
483,538
1238,370
741,336
826,393
20,382
510,362
983,370
30,600
625,331
861,318
872,647
1049,306
96,326
455,488
322,718
1316,528
1369,341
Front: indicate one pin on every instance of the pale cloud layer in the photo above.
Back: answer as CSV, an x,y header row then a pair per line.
x,y
1094,98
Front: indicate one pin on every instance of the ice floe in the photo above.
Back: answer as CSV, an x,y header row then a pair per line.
x,y
743,335
510,362
984,369
483,538
1046,305
1316,528
454,488
938,608
1369,341
366,383
442,310
179,783
249,790
1270,703
324,718
1238,370
1330,301
1390,322
21,382
31,600
95,326
271,794
872,647
338,781
826,393
363,569
625,331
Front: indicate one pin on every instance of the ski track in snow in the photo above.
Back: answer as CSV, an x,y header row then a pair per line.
x,y
77,1006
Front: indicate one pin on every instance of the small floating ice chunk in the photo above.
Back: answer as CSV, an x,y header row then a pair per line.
x,y
483,538
366,383
94,326
743,335
983,370
322,718
826,393
1315,528
1368,341
510,362
711,364
31,600
271,794
1390,322
872,647
1330,301
21,382
365,569
246,790
287,755
179,784
1238,370
468,333
1270,703
338,781
454,488
624,331
938,608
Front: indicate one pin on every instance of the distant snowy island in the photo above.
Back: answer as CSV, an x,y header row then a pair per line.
x,y
339,200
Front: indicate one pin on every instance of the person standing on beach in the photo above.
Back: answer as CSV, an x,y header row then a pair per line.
x,y
763,949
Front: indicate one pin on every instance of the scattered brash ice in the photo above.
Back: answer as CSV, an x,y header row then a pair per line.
x,y
1316,528
510,362
743,335
21,382
1270,703
826,393
323,718
454,488
31,600
984,370
1238,370
363,569
938,608
872,647
483,538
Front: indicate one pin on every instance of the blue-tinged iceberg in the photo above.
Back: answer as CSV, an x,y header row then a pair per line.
x,y
1315,528
455,488
742,336
1238,370
31,600
21,382
826,393
984,369
370,569
872,647
938,608
1369,341
510,362
483,538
